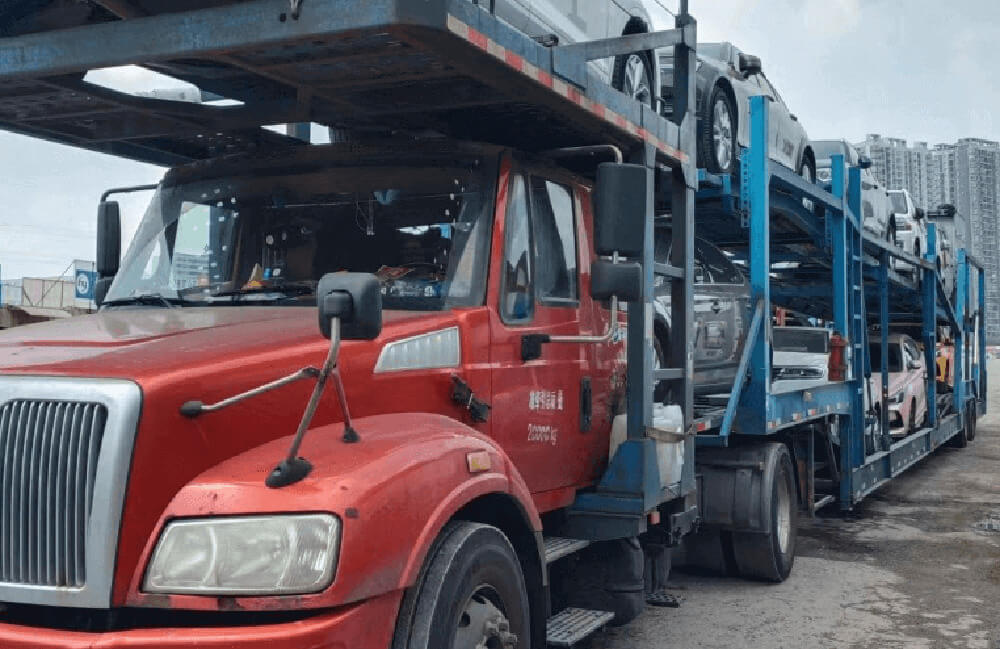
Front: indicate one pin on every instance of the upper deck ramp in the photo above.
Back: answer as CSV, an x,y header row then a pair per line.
x,y
385,65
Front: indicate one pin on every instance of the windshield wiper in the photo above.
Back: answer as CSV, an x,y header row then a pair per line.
x,y
150,299
286,291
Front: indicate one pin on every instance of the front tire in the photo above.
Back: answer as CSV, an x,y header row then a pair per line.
x,y
470,593
717,146
633,75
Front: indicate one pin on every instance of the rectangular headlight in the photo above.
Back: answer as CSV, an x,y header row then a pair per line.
x,y
260,555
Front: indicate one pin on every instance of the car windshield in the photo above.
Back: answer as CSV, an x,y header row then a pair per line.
x,y
895,358
898,202
268,237
825,149
809,341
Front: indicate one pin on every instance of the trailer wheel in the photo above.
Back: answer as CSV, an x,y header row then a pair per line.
x,y
961,438
769,556
470,593
970,422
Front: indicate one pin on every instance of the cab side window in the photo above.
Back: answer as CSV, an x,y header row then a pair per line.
x,y
554,233
516,295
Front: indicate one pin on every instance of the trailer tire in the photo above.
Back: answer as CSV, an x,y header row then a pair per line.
x,y
769,556
470,592
710,551
961,438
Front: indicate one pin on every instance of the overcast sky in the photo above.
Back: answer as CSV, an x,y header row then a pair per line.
x,y
845,67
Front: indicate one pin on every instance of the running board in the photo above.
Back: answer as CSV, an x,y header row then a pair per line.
x,y
570,626
557,547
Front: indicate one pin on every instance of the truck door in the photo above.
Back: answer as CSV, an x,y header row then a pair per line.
x,y
537,403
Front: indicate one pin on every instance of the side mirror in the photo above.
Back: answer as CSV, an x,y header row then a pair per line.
x,y
919,213
620,209
865,162
750,64
109,238
355,299
622,280
101,288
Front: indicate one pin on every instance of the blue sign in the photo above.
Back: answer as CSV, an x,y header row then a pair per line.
x,y
85,281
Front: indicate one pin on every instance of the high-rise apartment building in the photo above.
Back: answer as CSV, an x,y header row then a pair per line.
x,y
900,166
965,174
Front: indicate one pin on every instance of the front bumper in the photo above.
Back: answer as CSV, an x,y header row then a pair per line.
x,y
368,625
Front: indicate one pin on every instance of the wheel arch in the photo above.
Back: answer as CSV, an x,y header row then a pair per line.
x,y
505,513
641,25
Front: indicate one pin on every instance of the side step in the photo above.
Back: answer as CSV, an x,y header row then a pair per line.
x,y
557,547
571,626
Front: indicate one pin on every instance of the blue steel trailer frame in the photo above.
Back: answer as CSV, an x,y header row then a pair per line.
x,y
843,275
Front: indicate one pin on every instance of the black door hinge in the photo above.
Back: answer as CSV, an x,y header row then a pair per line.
x,y
462,394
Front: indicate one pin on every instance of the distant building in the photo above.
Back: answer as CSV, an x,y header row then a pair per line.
x,y
899,166
965,174
36,299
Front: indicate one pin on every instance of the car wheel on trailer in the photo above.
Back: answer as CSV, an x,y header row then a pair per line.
x,y
470,593
769,555
807,170
717,149
633,75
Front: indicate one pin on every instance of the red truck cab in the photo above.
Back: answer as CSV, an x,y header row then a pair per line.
x,y
123,513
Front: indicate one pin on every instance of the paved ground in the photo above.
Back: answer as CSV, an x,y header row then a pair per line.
x,y
911,570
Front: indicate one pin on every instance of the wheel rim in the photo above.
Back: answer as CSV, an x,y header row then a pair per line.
x,y
636,79
482,623
784,515
722,133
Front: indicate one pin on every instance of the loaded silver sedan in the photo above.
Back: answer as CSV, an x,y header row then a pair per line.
x,y
875,206
726,79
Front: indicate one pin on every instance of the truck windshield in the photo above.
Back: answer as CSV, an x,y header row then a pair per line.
x,y
268,239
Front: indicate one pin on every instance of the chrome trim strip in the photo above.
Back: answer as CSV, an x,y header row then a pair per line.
x,y
123,400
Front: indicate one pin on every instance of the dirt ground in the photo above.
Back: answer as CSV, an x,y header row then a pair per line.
x,y
917,566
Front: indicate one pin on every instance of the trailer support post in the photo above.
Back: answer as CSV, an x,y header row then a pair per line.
x,y
929,286
883,316
684,183
756,397
961,301
981,332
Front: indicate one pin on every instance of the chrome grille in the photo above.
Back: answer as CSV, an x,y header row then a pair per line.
x,y
48,466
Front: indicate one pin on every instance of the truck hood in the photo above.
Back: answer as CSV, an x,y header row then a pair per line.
x,y
137,344
208,354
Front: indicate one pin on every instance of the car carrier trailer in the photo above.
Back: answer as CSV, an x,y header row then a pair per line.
x,y
187,423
